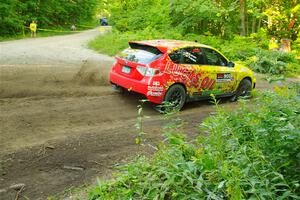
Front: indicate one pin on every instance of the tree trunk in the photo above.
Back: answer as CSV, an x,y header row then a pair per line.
x,y
259,24
243,17
247,23
253,24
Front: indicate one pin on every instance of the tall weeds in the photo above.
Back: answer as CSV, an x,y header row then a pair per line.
x,y
249,153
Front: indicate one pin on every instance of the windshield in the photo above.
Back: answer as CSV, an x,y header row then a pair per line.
x,y
140,54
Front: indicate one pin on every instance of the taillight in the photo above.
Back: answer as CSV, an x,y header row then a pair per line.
x,y
147,71
114,64
152,72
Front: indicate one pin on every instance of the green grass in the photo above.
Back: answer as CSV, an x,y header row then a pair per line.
x,y
45,33
114,42
249,153
27,35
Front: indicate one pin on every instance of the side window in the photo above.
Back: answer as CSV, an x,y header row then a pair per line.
x,y
191,55
188,57
214,58
175,56
200,55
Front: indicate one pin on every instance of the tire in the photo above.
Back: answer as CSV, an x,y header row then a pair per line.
x,y
175,97
244,90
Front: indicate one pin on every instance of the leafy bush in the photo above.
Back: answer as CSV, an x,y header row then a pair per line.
x,y
274,62
251,153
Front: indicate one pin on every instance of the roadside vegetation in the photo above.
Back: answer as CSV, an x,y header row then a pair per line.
x,y
45,33
250,153
242,31
55,17
251,51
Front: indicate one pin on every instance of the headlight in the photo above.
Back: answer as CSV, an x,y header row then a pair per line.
x,y
147,71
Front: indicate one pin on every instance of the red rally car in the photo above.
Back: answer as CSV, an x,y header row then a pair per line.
x,y
179,71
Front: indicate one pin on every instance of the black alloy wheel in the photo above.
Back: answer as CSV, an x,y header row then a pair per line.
x,y
175,97
244,90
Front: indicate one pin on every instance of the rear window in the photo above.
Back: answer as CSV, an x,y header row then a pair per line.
x,y
140,53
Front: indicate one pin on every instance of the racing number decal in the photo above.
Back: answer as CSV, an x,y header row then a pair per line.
x,y
207,83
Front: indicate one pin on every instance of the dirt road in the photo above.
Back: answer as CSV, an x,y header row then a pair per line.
x,y
61,125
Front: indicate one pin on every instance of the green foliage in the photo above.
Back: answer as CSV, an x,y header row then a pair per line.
x,y
11,22
15,14
284,17
274,62
215,17
196,16
248,154
140,14
248,50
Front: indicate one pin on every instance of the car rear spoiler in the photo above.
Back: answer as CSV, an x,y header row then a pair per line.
x,y
145,47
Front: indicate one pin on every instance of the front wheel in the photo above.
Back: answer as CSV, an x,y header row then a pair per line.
x,y
244,90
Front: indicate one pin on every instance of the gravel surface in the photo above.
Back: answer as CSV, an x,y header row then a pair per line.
x,y
65,49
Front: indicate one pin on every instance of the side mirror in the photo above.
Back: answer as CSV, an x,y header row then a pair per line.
x,y
231,64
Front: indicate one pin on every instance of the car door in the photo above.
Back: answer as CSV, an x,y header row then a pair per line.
x,y
219,78
186,68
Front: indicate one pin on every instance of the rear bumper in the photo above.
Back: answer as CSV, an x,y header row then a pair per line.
x,y
151,87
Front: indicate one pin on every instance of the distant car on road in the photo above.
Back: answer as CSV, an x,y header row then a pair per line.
x,y
103,21
179,71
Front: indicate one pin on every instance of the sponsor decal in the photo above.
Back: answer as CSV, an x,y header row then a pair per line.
x,y
156,83
196,50
224,77
190,56
154,94
155,88
183,73
207,83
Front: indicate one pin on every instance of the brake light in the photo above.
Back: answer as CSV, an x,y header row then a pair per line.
x,y
114,64
152,72
147,71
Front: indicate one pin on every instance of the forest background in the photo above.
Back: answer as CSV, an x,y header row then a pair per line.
x,y
241,29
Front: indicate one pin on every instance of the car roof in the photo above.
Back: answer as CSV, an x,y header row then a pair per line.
x,y
165,45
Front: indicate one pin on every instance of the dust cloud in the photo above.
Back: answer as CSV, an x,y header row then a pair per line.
x,y
85,79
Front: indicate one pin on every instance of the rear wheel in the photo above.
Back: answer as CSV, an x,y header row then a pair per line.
x,y
174,98
244,90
